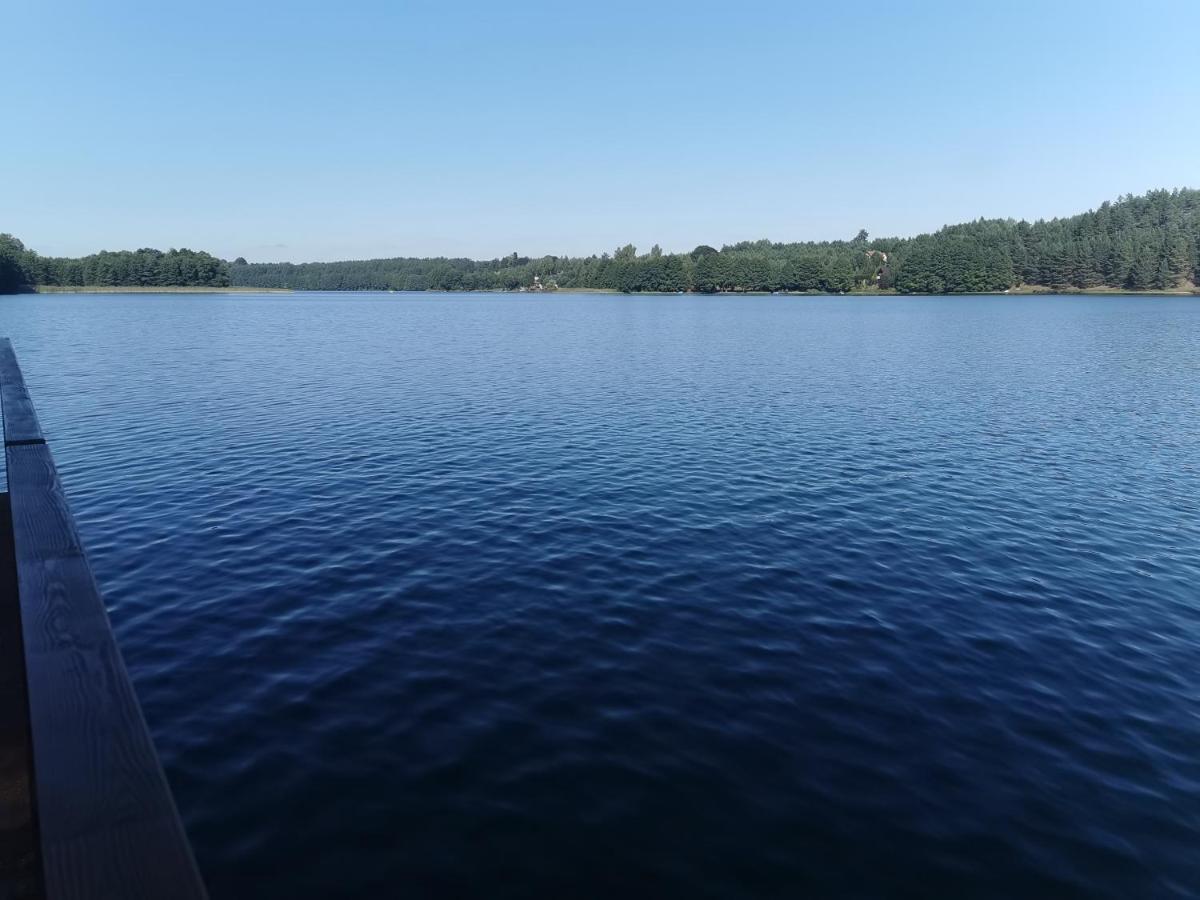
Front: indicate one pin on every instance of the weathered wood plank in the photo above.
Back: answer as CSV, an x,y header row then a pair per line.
x,y
107,821
121,862
20,419
20,861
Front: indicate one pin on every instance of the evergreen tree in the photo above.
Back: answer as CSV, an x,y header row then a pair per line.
x,y
1138,243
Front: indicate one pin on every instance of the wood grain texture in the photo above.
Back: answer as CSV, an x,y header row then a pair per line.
x,y
20,419
107,821
20,858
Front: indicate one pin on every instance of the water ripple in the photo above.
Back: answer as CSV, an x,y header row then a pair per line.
x,y
708,597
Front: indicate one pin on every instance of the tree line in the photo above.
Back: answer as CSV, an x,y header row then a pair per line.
x,y
21,268
1151,242
1148,242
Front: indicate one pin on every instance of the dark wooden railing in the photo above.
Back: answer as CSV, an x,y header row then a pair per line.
x,y
102,816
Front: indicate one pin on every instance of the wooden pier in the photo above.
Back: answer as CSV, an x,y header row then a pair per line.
x,y
85,809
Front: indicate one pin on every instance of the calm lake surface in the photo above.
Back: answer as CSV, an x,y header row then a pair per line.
x,y
513,596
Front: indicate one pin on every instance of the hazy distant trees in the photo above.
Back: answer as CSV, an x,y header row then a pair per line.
x,y
134,268
20,268
1136,243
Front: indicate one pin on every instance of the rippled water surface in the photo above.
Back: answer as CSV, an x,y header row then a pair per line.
x,y
497,596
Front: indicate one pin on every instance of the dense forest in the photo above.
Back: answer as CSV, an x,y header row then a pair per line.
x,y
1151,242
1138,243
21,268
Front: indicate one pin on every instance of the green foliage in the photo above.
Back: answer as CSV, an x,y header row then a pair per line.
x,y
1136,243
126,268
13,276
144,268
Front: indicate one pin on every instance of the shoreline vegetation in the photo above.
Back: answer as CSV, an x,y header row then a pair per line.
x,y
1136,245
150,289
1019,291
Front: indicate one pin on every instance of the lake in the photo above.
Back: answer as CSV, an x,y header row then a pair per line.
x,y
607,596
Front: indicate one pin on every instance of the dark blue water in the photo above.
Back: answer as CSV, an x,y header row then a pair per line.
x,y
492,596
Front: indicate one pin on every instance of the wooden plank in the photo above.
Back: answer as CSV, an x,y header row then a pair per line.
x,y
107,821
20,860
20,419
127,862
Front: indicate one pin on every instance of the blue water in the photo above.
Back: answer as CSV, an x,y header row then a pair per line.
x,y
513,596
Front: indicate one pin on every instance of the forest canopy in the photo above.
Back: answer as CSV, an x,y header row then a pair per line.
x,y
22,269
1137,243
1150,242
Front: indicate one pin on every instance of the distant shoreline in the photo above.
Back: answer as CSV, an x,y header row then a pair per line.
x,y
1031,290
1022,291
144,289
1136,246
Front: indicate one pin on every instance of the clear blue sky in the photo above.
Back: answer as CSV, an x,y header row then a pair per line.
x,y
295,130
